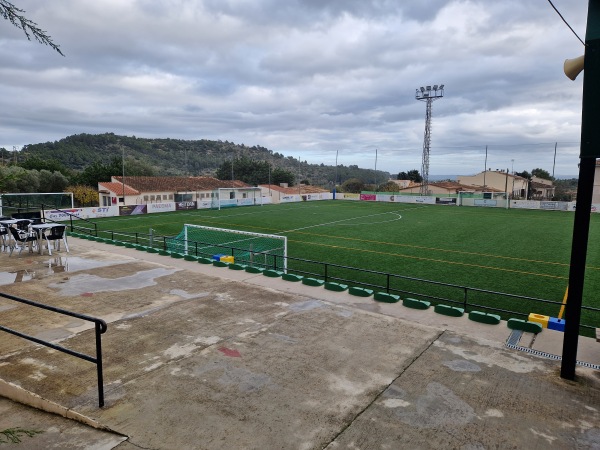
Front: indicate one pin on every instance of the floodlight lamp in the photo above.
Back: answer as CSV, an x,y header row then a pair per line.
x,y
428,88
422,89
435,87
441,87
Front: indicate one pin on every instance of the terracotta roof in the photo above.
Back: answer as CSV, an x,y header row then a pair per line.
x,y
304,189
117,188
452,185
536,185
178,184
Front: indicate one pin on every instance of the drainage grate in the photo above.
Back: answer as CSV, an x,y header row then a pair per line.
x,y
550,355
514,337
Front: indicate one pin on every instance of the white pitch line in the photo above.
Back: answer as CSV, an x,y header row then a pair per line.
x,y
344,220
370,223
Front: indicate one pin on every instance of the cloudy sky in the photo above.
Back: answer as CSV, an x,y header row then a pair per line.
x,y
305,78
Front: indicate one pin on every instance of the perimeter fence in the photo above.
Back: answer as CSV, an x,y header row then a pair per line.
x,y
469,298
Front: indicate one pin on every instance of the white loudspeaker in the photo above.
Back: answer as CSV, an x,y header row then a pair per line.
x,y
573,67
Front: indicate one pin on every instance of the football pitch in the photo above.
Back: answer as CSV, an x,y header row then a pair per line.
x,y
520,252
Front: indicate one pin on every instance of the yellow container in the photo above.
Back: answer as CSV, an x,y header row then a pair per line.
x,y
539,319
230,259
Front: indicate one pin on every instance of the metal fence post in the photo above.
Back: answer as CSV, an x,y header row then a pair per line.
x,y
99,365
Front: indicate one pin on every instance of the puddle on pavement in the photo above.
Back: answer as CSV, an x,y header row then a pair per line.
x,y
52,265
86,283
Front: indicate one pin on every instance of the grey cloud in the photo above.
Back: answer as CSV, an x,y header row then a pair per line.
x,y
301,77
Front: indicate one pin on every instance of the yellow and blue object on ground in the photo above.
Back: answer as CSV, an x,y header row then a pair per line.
x,y
224,258
552,323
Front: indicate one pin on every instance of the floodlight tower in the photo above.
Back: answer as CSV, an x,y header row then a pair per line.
x,y
428,95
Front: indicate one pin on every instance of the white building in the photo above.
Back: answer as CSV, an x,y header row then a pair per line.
x,y
145,190
500,180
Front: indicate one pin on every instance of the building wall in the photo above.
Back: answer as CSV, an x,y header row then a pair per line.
x,y
496,180
596,191
274,194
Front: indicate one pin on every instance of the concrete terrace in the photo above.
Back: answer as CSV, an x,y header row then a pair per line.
x,y
200,357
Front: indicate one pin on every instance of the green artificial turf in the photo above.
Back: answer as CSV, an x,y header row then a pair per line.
x,y
520,252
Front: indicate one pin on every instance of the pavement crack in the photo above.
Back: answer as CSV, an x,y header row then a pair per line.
x,y
138,446
378,396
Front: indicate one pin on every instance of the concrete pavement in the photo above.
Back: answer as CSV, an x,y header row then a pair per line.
x,y
203,357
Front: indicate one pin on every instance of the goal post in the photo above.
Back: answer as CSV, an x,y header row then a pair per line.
x,y
255,249
35,201
231,197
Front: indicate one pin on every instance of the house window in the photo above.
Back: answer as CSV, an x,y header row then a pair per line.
x,y
170,196
245,195
152,198
231,195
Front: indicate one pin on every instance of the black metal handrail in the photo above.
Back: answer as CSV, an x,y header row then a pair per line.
x,y
100,328
334,272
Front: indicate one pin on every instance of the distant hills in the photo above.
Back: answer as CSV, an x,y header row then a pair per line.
x,y
176,157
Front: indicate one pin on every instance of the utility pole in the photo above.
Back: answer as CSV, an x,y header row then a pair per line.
x,y
512,170
554,163
123,174
375,170
485,166
428,95
506,188
336,174
590,150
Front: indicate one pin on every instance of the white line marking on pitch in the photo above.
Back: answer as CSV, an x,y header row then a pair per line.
x,y
344,220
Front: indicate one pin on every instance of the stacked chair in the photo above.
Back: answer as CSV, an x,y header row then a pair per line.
x,y
22,238
4,237
56,234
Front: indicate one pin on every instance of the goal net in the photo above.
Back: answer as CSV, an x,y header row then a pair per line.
x,y
28,202
230,197
255,249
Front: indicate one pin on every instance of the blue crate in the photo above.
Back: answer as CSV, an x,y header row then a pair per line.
x,y
556,324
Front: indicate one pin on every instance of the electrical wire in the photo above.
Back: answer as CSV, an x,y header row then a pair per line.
x,y
567,23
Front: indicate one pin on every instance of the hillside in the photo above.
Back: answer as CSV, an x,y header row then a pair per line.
x,y
178,157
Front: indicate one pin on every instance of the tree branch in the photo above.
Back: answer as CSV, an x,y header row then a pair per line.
x,y
13,14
